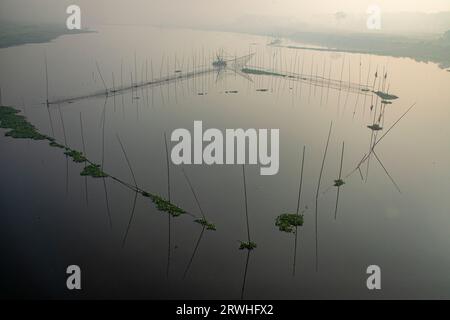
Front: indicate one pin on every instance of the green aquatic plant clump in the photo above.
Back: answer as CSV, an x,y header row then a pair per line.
x,y
205,223
385,96
19,127
166,206
145,194
247,245
76,156
55,144
287,222
94,171
375,127
339,182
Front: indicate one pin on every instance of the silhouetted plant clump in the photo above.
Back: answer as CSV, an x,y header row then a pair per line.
x,y
206,223
166,206
247,245
76,156
19,127
94,171
145,194
375,127
55,144
287,222
385,96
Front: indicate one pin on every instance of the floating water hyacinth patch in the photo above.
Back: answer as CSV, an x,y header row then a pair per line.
x,y
93,170
205,223
375,127
287,222
339,182
20,127
166,206
385,96
247,245
145,194
76,156
55,144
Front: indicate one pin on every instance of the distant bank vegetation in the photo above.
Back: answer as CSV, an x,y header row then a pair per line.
x,y
14,34
424,49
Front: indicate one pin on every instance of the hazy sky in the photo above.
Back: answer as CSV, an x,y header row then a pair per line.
x,y
199,11
354,6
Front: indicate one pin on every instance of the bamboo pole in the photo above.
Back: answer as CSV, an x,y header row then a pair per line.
x,y
317,196
298,209
340,176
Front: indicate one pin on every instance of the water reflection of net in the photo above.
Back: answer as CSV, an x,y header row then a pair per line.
x,y
240,62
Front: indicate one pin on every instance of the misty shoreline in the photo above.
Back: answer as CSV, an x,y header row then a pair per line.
x,y
421,50
435,50
432,48
13,34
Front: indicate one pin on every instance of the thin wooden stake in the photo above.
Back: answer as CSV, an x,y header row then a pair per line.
x,y
317,196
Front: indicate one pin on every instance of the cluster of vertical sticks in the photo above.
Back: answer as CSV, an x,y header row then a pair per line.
x,y
374,127
286,220
199,67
